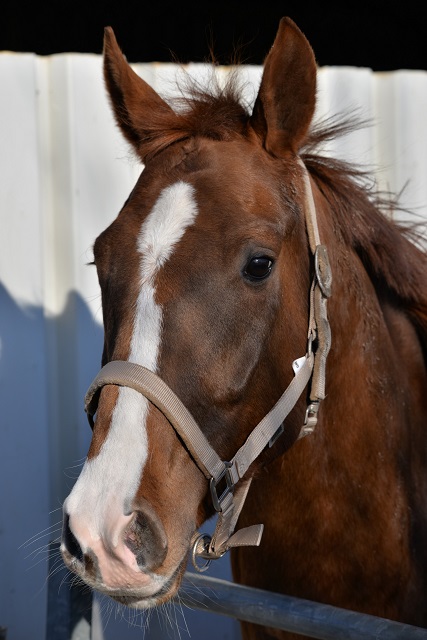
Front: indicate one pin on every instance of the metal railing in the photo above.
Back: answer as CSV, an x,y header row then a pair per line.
x,y
70,610
304,617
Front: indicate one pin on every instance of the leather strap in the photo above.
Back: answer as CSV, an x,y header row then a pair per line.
x,y
319,326
228,504
129,374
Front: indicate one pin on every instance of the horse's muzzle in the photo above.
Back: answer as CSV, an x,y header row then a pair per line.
x,y
125,557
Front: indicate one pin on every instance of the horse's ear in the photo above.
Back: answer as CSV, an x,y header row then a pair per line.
x,y
136,106
287,96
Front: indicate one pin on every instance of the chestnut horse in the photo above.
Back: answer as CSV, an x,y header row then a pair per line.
x,y
212,276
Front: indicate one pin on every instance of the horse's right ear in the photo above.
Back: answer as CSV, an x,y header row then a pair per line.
x,y
286,99
136,106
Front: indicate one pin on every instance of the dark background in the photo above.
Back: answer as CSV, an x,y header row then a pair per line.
x,y
380,35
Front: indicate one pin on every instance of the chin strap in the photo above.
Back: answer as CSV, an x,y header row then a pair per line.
x,y
228,486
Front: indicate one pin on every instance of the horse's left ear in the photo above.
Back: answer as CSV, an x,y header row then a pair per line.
x,y
286,99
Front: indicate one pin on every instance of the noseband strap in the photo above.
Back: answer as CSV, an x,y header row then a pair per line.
x,y
223,476
228,486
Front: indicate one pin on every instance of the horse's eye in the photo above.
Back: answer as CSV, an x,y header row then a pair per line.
x,y
258,268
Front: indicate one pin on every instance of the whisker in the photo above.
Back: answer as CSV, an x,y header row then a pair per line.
x,y
190,588
42,560
46,545
66,580
60,566
179,604
73,468
174,613
41,534
110,608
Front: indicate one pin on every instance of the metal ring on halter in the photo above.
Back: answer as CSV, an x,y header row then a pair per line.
x,y
201,549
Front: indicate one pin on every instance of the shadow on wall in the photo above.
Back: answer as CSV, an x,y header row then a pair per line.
x,y
46,365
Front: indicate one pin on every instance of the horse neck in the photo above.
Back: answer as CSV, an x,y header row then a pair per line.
x,y
363,370
348,488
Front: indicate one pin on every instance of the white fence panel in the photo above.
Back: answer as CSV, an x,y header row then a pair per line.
x,y
65,172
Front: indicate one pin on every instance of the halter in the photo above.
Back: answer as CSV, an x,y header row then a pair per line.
x,y
228,487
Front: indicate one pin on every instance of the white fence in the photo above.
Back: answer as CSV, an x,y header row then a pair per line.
x,y
64,174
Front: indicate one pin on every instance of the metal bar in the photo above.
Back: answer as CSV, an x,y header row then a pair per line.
x,y
69,605
299,616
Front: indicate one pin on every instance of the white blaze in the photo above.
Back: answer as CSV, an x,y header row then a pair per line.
x,y
108,482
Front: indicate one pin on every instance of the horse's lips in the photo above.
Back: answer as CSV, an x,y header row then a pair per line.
x,y
136,600
135,596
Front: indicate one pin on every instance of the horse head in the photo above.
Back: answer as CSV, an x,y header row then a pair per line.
x,y
205,278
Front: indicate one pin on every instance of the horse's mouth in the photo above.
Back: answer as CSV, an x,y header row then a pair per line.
x,y
134,600
131,597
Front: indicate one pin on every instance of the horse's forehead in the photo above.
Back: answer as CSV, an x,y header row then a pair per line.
x,y
225,182
217,169
234,164
232,181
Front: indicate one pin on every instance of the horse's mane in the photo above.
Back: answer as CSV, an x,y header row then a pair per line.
x,y
391,251
207,111
388,249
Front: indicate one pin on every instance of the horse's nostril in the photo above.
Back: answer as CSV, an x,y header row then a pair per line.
x,y
70,541
146,538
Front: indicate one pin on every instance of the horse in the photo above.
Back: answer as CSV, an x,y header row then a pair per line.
x,y
264,360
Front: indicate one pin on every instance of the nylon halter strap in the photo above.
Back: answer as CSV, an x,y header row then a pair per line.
x,y
228,486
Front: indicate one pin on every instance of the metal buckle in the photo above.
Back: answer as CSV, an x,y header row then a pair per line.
x,y
201,550
310,419
229,486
